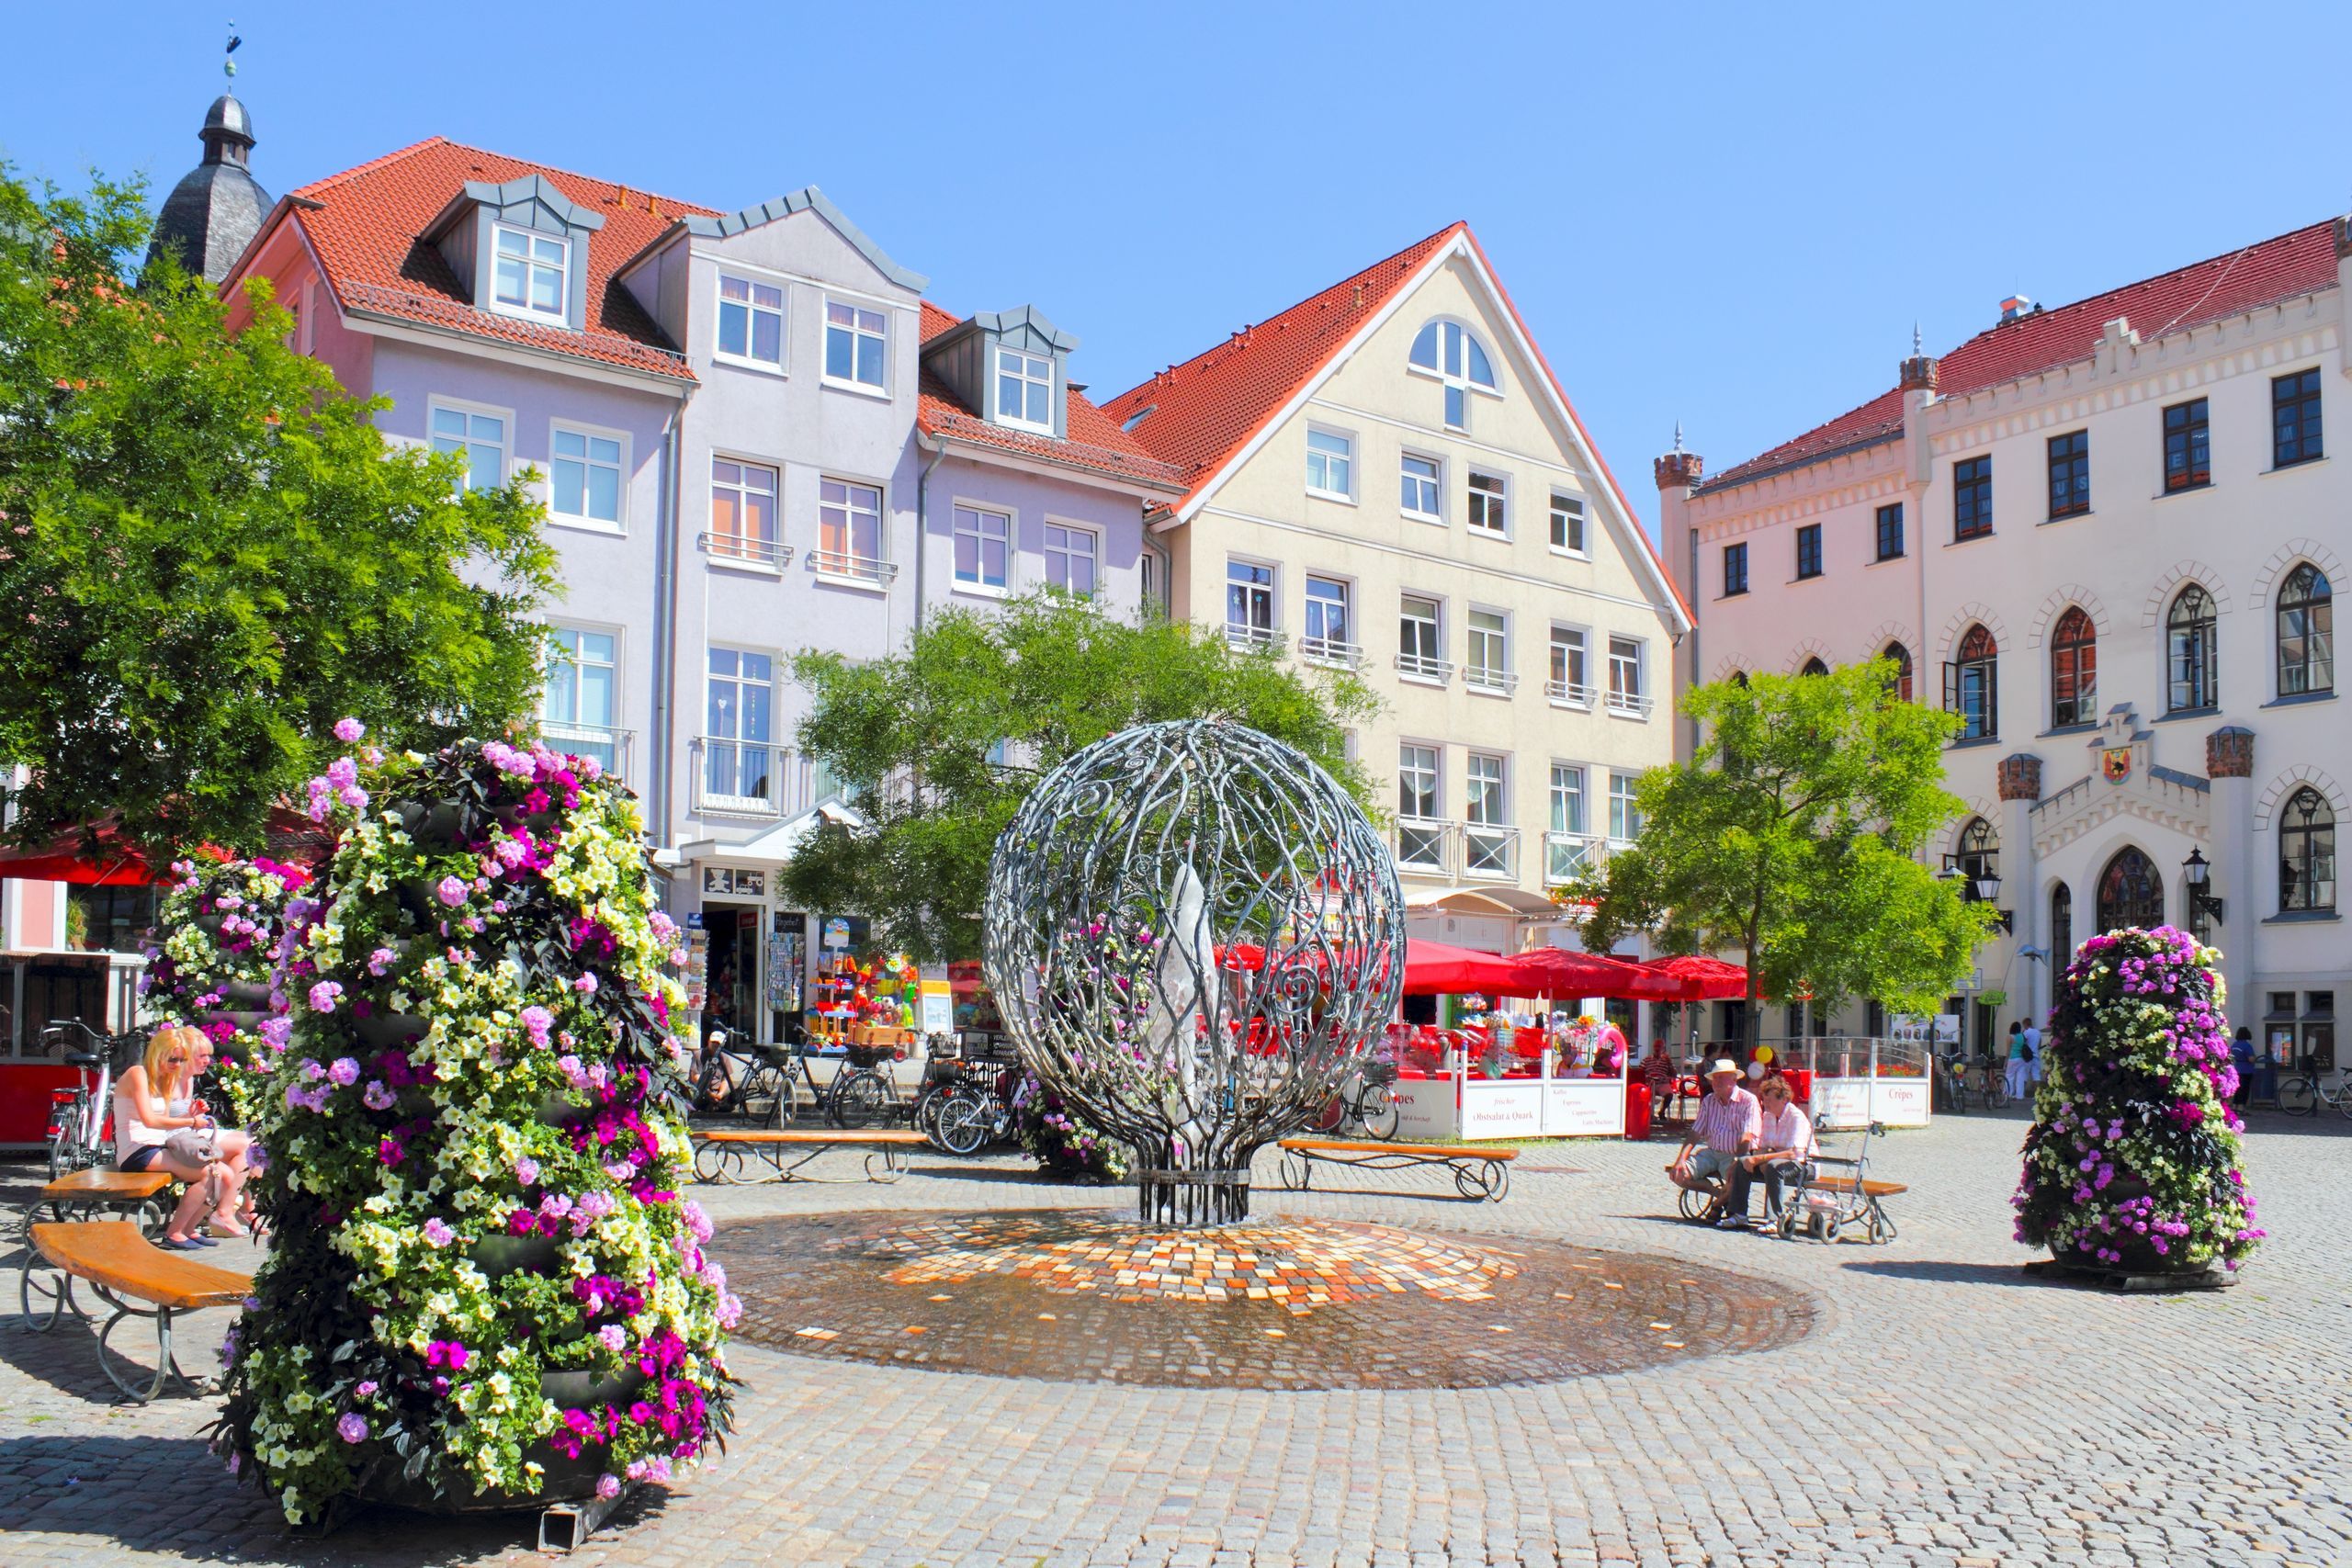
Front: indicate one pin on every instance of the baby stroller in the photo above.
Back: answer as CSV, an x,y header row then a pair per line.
x,y
1837,1193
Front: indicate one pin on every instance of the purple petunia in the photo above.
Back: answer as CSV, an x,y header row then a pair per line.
x,y
437,1232
451,892
352,1426
324,995
345,1071
348,729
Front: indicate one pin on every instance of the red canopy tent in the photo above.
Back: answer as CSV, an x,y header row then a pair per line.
x,y
1434,967
1555,972
1705,979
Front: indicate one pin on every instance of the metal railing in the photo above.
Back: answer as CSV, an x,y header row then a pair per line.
x,y
1489,849
734,549
1568,693
1568,856
609,746
1422,843
854,568
1334,651
1633,703
1485,678
749,776
1414,667
1249,637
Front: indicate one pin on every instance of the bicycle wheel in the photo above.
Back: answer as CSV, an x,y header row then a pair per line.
x,y
2297,1096
965,1121
858,1099
710,1088
1378,1111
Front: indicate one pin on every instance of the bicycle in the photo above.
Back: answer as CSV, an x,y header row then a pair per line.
x,y
1951,1083
969,1117
2303,1094
78,1116
735,1082
864,1092
1365,1098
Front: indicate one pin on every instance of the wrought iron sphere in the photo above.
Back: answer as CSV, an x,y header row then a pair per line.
x,y
1192,933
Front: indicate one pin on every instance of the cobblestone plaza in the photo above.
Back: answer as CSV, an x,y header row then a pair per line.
x,y
1941,1410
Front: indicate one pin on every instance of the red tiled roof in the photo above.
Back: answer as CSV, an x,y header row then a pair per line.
x,y
364,231
2262,274
1094,440
1210,406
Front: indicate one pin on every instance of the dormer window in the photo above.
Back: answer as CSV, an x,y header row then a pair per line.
x,y
1024,390
750,322
1450,352
529,277
855,343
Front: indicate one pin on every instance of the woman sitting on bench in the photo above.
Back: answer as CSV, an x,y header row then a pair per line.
x,y
157,1123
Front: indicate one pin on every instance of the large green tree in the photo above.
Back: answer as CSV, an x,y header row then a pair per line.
x,y
940,744
1792,836
207,552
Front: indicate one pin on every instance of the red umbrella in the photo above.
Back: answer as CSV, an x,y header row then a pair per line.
x,y
1434,967
112,863
1555,972
1708,979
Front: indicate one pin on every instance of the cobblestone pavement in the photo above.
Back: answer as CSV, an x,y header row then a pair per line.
x,y
1943,1411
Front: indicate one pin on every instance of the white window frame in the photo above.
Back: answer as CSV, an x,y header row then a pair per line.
x,y
1427,832
532,239
618,522
1423,670
777,677
1435,462
1461,382
1490,842
752,554
506,444
978,510
1471,490
1346,493
1346,652
1248,634
1635,704
1623,808
848,567
753,277
1566,845
1489,679
557,730
1093,538
1560,682
1020,421
856,332
1582,512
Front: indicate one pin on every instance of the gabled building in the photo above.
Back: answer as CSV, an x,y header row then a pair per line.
x,y
1387,478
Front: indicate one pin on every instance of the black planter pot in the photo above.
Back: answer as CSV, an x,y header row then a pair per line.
x,y
563,1481
560,1110
236,1018
384,1029
586,1391
211,924
498,1256
250,992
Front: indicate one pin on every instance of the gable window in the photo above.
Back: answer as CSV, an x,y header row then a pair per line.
x,y
1331,464
1890,531
1624,807
741,707
1569,681
1735,570
849,530
577,703
2306,853
1900,657
1419,645
2187,447
1971,685
1564,836
1070,560
1249,602
1972,497
1489,669
1421,830
1488,510
2070,474
1809,551
584,476
2294,419
2193,654
1420,488
750,320
2306,633
1568,523
2073,670
857,342
742,512
530,274
1625,677
1330,630
1487,835
983,549
1447,351
1024,390
478,437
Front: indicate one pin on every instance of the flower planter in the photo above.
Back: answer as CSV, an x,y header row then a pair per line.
x,y
252,993
384,1029
563,1481
236,1018
586,1391
560,1111
498,1256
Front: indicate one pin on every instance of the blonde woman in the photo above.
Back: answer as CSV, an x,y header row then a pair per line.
x,y
153,1100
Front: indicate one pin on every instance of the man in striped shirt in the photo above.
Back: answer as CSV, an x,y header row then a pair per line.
x,y
1728,1125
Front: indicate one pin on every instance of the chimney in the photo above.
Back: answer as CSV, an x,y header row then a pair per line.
x,y
2014,306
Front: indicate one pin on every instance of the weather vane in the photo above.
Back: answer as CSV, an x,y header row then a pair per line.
x,y
229,66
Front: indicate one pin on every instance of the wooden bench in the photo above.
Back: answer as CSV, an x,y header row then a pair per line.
x,y
1868,1188
99,1188
1477,1173
722,1154
125,1269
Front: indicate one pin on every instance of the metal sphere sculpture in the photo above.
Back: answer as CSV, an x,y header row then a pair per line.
x,y
1192,933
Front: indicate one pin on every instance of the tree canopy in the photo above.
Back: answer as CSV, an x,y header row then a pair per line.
x,y
940,744
1791,838
207,552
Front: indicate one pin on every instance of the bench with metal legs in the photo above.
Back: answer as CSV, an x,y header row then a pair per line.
x,y
42,1289
723,1155
1477,1173
126,1269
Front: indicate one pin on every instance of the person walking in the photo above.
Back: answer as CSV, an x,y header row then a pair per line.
x,y
2033,1050
2018,1064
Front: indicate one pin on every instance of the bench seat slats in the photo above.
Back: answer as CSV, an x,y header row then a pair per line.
x,y
879,1137
99,1182
112,1253
1431,1151
1871,1189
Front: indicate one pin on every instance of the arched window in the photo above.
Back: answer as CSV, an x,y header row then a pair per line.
x,y
1454,355
1739,678
1814,666
2306,633
2306,852
2062,928
1979,854
2192,652
2073,670
2129,892
1900,657
1972,685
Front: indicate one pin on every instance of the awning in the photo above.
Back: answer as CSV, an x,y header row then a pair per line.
x,y
1514,901
781,843
112,862
1433,969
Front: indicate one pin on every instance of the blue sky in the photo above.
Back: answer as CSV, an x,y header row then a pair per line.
x,y
1729,216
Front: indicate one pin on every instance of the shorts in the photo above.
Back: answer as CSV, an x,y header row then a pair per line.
x,y
142,1158
1713,1162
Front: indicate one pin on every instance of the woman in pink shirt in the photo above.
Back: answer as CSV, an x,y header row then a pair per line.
x,y
1785,1141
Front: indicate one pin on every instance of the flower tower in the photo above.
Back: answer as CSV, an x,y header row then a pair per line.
x,y
2134,1162
485,1290
223,924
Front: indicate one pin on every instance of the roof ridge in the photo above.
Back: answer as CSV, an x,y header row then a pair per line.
x,y
379,161
682,205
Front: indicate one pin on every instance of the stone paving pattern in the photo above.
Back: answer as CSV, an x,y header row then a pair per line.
x,y
1943,1411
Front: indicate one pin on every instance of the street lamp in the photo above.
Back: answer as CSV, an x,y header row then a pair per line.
x,y
2199,875
1979,884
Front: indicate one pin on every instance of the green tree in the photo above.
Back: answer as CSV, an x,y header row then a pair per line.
x,y
210,553
1792,836
940,744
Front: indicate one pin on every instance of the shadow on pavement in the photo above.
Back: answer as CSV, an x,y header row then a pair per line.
x,y
1950,1273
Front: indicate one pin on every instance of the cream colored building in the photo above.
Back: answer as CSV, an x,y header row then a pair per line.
x,y
2107,534
1387,477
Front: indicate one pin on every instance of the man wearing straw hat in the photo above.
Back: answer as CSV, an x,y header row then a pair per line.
x,y
1728,1125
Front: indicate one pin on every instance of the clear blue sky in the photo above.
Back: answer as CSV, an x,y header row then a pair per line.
x,y
1729,216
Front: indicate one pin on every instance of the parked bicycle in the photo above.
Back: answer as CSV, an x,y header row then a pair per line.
x,y
2305,1090
754,1082
971,1117
1363,1101
78,1117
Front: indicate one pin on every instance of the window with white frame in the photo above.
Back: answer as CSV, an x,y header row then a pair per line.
x,y
1569,681
579,700
530,274
1249,602
1625,676
738,758
742,511
849,528
1486,835
1453,354
1489,510
478,437
1567,522
1566,829
1420,830
1331,464
1331,629
584,476
1024,390
1070,560
1419,646
750,320
1419,484
983,549
856,344
1624,812
1488,668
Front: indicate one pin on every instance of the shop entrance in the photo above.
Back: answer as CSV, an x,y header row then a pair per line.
x,y
733,1003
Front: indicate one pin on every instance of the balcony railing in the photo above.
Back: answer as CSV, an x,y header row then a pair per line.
x,y
1414,667
1334,651
1568,856
1422,842
1254,638
1489,849
749,776
854,568
734,549
1567,693
1630,703
609,746
1485,678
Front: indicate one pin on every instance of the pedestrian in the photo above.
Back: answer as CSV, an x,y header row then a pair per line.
x,y
2019,1063
1726,1127
2033,1050
1658,1071
2241,1058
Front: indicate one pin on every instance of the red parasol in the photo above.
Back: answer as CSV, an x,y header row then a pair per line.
x,y
1434,967
1555,972
112,863
1705,979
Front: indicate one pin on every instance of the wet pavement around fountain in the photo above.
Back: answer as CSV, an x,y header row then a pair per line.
x,y
1938,1408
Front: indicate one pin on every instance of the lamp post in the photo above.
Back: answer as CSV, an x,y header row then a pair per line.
x,y
2199,875
1979,884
